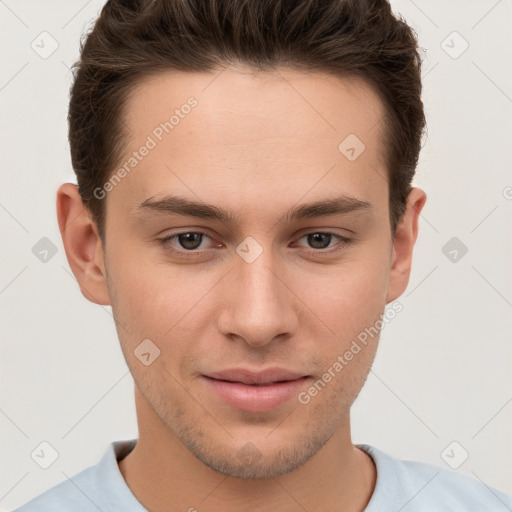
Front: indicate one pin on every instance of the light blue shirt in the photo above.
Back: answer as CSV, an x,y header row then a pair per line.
x,y
405,486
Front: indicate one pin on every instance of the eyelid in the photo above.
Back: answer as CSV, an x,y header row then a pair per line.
x,y
168,238
343,242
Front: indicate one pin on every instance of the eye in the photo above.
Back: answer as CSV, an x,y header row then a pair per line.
x,y
320,241
188,241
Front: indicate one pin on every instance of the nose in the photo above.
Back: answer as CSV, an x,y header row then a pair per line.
x,y
259,304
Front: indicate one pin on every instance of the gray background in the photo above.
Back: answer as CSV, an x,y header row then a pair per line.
x,y
442,373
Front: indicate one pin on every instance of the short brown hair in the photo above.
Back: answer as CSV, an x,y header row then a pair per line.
x,y
134,39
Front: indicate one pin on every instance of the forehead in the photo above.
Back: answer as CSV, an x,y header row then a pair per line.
x,y
249,133
284,101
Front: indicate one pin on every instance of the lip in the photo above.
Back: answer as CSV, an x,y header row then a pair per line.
x,y
255,391
246,376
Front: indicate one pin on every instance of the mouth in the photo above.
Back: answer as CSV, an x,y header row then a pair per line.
x,y
255,391
268,376
255,384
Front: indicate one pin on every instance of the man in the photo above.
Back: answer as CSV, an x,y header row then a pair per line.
x,y
244,203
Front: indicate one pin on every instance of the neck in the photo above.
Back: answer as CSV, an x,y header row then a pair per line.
x,y
161,471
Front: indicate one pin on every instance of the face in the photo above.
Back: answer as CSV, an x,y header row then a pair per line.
x,y
252,278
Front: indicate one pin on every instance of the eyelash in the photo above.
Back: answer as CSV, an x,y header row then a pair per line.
x,y
342,243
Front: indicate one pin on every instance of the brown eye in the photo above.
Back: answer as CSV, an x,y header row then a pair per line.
x,y
320,241
184,242
189,241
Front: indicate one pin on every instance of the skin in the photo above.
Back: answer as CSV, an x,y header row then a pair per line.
x,y
256,144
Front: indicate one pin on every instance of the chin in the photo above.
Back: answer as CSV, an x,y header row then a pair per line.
x,y
255,460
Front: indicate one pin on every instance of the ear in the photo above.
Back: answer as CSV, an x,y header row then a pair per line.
x,y
82,244
405,238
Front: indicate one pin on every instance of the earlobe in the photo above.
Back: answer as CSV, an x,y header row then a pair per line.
x,y
403,245
82,244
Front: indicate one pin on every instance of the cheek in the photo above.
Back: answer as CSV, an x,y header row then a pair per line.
x,y
350,298
156,300
161,301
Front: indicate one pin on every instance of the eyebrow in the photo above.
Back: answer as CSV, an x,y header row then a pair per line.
x,y
183,206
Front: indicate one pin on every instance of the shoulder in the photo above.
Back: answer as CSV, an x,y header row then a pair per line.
x,y
419,487
71,494
97,487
